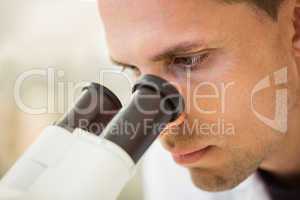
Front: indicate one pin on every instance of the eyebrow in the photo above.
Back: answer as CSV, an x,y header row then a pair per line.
x,y
180,48
168,52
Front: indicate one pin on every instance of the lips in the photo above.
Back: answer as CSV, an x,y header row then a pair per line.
x,y
190,157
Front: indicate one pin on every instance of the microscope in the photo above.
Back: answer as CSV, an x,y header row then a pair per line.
x,y
93,150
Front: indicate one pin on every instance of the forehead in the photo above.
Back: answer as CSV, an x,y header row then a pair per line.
x,y
145,25
151,9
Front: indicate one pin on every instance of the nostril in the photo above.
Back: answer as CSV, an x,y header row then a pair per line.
x,y
168,143
168,135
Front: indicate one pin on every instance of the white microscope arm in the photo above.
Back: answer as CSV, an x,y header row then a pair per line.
x,y
63,166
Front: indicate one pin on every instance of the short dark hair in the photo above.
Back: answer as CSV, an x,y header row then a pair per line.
x,y
271,7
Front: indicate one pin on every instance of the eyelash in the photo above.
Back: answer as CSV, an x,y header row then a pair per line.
x,y
194,60
197,59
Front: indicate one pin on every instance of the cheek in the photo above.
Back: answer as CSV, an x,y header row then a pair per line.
x,y
251,133
228,103
230,97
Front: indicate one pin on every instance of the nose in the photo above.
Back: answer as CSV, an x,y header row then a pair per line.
x,y
171,132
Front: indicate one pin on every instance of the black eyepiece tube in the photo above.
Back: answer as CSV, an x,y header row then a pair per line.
x,y
154,104
92,111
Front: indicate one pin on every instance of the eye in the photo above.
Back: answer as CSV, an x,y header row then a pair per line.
x,y
190,62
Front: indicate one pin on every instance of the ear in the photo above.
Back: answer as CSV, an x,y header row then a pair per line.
x,y
296,40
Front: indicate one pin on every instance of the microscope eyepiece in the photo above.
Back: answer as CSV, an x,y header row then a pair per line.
x,y
155,103
92,111
165,89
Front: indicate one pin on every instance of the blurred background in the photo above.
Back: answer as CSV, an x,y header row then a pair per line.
x,y
63,40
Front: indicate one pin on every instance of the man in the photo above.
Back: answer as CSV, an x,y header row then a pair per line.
x,y
236,62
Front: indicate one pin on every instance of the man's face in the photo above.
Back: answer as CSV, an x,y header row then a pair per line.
x,y
215,54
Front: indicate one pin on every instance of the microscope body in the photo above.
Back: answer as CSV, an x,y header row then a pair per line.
x,y
68,161
65,166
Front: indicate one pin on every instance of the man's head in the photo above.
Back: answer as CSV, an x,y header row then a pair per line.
x,y
270,7
215,52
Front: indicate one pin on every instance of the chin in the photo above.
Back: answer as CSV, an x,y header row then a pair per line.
x,y
210,182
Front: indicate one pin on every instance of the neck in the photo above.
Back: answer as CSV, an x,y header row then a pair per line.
x,y
285,161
